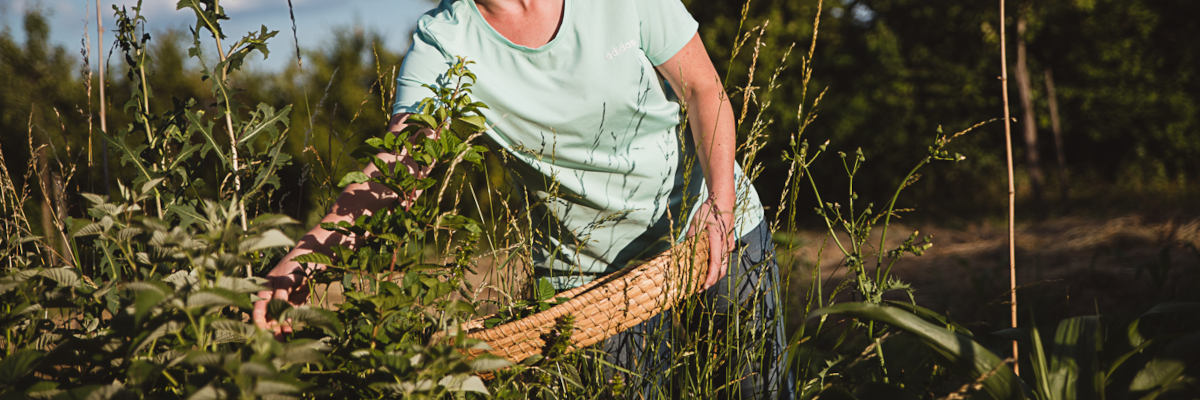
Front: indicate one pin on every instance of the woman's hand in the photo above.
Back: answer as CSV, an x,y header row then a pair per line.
x,y
285,282
719,224
288,280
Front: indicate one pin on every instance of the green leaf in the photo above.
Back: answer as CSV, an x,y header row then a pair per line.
x,y
147,296
425,120
488,362
463,383
545,290
302,351
238,285
1074,362
316,317
1168,364
150,185
269,239
217,297
209,392
270,387
352,178
314,258
271,221
269,119
65,277
95,199
19,365
959,350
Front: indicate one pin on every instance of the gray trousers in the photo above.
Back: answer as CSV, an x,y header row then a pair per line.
x,y
728,340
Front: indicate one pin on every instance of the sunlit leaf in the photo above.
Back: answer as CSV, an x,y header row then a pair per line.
x,y
352,178
65,277
1169,364
960,351
216,297
269,239
463,383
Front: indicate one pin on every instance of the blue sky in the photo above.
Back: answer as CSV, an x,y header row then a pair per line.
x,y
315,20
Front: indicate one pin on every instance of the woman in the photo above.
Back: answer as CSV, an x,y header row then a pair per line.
x,y
575,97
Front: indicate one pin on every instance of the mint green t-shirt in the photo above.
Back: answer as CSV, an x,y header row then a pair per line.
x,y
589,122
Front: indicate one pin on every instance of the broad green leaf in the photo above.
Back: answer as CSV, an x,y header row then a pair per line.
x,y
65,277
228,330
19,365
180,279
147,296
1073,363
487,362
269,239
316,317
301,351
463,383
238,285
545,290
314,258
217,297
269,387
269,119
93,228
425,120
95,199
171,327
255,368
1168,364
271,221
959,350
150,185
352,178
209,393
43,390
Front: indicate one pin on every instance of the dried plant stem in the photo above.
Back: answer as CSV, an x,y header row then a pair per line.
x,y
1012,253
100,61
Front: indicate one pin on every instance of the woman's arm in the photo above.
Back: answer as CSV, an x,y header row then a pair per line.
x,y
696,82
286,281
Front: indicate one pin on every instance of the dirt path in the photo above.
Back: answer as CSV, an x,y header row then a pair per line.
x,y
1066,266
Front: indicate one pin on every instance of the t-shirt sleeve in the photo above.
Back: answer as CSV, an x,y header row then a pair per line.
x,y
424,64
666,26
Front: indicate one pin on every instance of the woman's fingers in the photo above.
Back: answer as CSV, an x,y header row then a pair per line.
x,y
718,251
259,314
278,287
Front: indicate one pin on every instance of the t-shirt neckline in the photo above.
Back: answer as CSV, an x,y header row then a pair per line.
x,y
562,26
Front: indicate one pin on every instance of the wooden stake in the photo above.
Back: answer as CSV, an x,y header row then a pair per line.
x,y
1012,252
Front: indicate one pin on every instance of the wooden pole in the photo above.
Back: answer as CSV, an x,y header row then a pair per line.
x,y
1012,253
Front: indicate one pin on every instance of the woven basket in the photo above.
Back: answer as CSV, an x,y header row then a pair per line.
x,y
606,306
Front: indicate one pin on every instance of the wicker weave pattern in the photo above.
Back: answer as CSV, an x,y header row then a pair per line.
x,y
608,305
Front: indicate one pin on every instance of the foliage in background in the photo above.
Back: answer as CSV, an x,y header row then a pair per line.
x,y
895,70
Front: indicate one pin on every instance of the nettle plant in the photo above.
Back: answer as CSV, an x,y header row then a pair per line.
x,y
150,295
397,331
